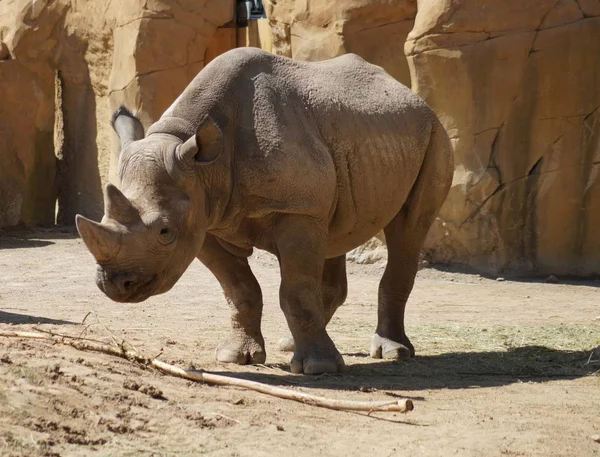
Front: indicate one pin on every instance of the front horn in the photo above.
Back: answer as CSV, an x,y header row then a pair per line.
x,y
102,241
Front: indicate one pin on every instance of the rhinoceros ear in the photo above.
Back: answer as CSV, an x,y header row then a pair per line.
x,y
128,127
117,206
102,241
205,146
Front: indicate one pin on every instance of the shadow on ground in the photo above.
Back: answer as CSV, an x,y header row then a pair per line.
x,y
16,318
20,239
9,242
515,276
455,370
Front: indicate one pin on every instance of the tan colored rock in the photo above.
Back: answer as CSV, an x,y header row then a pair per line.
x,y
27,163
159,47
101,53
589,8
256,34
372,251
321,29
513,84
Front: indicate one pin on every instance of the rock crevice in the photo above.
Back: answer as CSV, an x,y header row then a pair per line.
x,y
106,53
534,205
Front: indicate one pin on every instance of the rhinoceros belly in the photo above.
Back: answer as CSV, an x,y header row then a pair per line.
x,y
374,177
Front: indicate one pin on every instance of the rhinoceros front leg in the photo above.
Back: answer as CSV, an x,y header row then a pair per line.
x,y
300,243
334,286
246,344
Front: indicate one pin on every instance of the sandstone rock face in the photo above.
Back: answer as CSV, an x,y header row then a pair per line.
x,y
517,86
65,65
42,42
372,251
321,29
27,168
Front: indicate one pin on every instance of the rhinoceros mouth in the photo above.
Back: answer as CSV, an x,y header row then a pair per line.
x,y
143,291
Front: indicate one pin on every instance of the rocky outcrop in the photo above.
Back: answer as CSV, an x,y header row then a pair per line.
x,y
517,86
64,66
321,29
43,43
27,168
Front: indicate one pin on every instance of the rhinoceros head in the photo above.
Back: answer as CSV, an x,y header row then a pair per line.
x,y
155,225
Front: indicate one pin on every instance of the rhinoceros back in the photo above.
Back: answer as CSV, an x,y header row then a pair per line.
x,y
346,124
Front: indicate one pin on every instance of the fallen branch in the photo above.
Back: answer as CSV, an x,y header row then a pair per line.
x,y
402,405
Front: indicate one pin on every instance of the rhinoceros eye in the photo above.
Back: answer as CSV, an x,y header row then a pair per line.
x,y
167,235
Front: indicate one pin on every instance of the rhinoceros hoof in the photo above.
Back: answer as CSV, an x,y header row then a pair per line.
x,y
242,353
317,363
286,344
388,349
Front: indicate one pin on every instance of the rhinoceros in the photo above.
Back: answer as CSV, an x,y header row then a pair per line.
x,y
304,160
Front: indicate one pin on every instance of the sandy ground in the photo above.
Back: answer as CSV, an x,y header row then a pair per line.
x,y
502,367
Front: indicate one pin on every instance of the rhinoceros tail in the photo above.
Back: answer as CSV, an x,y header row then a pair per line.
x,y
411,225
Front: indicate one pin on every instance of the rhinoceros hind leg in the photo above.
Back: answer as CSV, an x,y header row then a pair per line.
x,y
390,340
405,236
245,345
384,348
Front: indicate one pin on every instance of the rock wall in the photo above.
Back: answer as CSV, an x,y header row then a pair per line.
x,y
321,29
65,65
27,167
517,86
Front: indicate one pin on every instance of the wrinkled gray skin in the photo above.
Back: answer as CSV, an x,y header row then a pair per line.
x,y
304,160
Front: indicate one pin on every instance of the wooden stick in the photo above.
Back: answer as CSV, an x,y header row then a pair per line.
x,y
402,405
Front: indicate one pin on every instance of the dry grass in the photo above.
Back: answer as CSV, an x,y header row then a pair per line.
x,y
515,351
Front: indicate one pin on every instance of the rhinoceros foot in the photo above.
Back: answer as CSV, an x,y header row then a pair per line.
x,y
317,360
241,350
392,350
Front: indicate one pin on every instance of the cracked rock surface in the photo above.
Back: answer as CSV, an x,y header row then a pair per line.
x,y
321,29
516,86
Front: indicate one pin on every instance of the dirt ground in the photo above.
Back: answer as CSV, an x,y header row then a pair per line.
x,y
502,367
